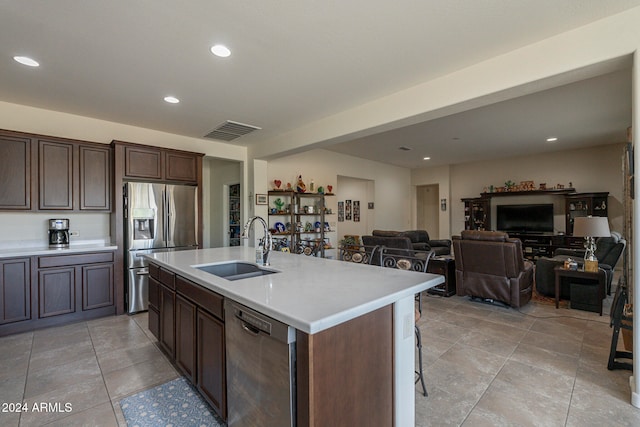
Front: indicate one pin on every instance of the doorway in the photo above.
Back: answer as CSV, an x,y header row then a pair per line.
x,y
427,213
221,189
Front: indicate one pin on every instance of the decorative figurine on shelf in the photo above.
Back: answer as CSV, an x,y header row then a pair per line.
x,y
300,186
279,204
329,188
321,190
277,184
289,188
312,186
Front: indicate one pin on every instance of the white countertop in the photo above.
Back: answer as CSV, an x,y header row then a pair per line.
x,y
46,250
310,294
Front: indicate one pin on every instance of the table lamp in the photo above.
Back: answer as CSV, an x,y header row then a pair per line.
x,y
591,227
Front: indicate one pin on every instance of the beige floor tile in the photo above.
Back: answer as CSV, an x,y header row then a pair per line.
x,y
141,376
61,355
61,376
569,346
558,363
516,377
512,318
560,328
502,331
489,343
106,342
60,337
119,359
441,408
436,329
99,416
433,349
80,395
595,406
516,407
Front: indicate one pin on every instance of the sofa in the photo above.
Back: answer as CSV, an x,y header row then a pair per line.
x,y
420,240
608,252
490,265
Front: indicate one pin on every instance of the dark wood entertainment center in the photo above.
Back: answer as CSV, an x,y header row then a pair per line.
x,y
477,213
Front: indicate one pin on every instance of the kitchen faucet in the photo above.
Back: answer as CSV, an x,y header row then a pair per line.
x,y
268,241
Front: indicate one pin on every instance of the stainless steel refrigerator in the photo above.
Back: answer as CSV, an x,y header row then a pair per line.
x,y
158,217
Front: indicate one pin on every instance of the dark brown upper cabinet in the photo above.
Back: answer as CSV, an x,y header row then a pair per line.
x,y
15,172
40,173
95,178
152,163
143,162
55,175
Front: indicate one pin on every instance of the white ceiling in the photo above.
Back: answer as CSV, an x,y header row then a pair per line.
x,y
295,62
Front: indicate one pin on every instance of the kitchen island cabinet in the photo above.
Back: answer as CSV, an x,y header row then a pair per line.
x,y
190,330
355,346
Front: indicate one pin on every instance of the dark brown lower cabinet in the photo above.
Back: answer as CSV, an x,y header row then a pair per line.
x,y
15,290
167,320
154,306
189,325
49,290
56,291
97,286
185,337
211,362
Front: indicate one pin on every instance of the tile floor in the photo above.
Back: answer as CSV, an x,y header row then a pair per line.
x,y
485,366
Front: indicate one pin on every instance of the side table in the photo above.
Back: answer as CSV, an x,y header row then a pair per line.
x,y
446,266
598,277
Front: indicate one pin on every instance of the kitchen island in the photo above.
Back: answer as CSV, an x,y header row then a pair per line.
x,y
353,328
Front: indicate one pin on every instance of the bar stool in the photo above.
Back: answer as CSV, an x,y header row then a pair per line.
x,y
414,261
419,372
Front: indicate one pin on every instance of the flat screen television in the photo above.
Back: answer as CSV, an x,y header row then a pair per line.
x,y
532,219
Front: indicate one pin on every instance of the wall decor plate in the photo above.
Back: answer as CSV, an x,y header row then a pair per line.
x,y
280,227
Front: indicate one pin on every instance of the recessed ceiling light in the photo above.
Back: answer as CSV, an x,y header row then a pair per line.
x,y
171,99
220,50
25,60
552,139
426,158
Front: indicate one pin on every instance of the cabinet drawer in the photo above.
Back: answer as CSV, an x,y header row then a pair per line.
x,y
204,298
62,260
167,278
154,271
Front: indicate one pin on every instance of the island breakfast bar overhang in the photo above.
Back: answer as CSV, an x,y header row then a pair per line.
x,y
329,303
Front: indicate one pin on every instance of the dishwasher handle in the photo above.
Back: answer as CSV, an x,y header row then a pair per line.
x,y
251,330
252,323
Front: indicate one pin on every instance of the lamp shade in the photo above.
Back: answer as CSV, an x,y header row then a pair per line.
x,y
591,226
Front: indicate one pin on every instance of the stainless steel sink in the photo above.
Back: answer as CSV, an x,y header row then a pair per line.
x,y
235,270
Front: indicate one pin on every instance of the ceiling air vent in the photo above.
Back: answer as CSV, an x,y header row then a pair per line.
x,y
404,148
228,131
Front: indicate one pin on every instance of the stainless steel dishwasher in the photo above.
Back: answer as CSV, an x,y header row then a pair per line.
x,y
261,369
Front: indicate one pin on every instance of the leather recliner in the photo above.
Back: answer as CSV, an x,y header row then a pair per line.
x,y
491,265
608,252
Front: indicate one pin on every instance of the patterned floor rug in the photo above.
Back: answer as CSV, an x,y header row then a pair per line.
x,y
175,403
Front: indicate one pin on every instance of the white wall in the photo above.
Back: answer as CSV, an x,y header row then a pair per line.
x,y
389,185
363,191
589,170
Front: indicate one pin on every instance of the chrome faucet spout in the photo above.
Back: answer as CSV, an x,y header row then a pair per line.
x,y
268,240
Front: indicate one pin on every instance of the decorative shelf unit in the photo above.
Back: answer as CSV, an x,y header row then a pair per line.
x,y
297,222
234,215
477,213
585,204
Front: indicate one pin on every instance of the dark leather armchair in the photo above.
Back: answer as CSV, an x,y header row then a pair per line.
x,y
420,240
491,265
608,252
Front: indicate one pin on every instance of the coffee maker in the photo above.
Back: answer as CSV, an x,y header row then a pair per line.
x,y
58,233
